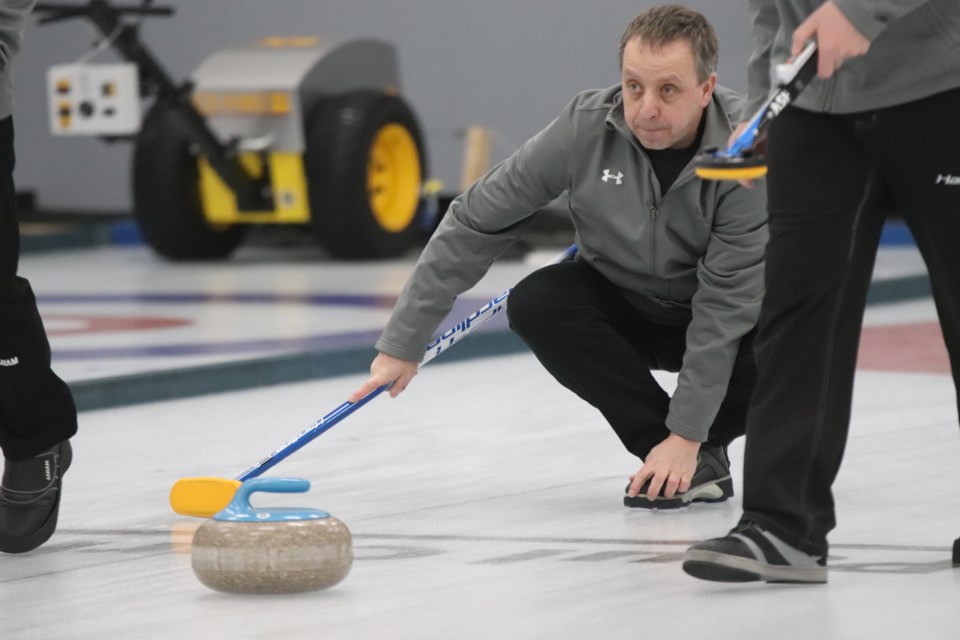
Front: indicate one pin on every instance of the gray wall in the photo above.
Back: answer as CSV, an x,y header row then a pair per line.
x,y
509,65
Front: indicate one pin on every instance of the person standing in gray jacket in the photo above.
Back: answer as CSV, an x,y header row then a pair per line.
x,y
669,270
877,132
37,413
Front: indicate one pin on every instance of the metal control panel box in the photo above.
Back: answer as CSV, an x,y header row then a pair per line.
x,y
94,99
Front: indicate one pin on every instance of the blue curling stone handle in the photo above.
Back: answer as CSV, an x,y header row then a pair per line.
x,y
240,509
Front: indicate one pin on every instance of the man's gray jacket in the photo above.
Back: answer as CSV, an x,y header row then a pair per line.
x,y
701,244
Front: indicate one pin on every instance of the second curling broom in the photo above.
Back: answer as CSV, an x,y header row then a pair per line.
x,y
740,161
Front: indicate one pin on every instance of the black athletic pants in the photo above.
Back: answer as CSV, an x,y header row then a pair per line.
x,y
832,181
36,407
603,348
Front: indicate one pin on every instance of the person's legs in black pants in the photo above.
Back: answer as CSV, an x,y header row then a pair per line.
x,y
831,180
920,160
37,413
596,344
825,224
36,407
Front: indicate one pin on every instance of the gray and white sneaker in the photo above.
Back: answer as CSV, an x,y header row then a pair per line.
x,y
711,483
749,553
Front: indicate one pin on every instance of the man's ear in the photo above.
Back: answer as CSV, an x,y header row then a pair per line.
x,y
707,90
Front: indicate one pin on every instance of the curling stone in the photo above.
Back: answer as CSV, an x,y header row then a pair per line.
x,y
277,550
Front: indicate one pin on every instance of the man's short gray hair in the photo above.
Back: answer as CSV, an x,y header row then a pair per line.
x,y
662,25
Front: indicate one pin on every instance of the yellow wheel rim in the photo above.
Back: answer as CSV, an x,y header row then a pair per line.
x,y
393,177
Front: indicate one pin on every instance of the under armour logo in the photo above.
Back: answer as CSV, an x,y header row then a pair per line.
x,y
607,176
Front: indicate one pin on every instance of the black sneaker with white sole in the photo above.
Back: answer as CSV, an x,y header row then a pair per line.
x,y
750,553
711,483
30,498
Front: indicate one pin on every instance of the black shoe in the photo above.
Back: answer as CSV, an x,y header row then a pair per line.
x,y
750,553
711,483
30,498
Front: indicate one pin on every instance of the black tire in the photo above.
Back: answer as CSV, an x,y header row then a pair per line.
x,y
166,193
346,151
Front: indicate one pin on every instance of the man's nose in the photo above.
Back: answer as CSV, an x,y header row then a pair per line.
x,y
649,106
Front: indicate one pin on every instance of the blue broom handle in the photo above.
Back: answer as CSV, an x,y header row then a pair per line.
x,y
456,333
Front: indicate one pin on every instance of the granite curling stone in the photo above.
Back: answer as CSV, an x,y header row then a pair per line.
x,y
278,550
